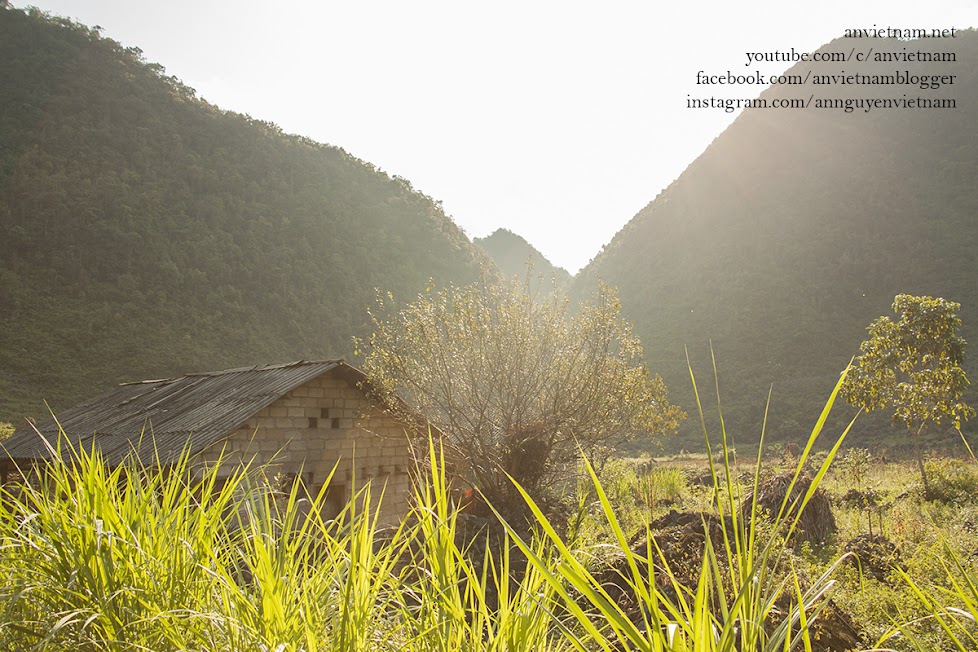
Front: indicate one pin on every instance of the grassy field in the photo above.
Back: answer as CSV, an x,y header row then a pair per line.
x,y
824,551
903,554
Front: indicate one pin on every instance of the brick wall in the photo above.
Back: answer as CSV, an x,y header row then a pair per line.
x,y
325,423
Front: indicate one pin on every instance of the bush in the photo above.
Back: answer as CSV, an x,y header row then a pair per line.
x,y
952,481
517,384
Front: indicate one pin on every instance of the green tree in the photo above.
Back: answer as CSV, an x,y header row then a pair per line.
x,y
517,383
913,366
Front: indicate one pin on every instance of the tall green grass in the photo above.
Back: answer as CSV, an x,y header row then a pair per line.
x,y
737,602
133,558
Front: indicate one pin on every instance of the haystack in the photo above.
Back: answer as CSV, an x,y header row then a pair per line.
x,y
817,523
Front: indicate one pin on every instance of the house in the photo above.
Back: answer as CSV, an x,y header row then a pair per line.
x,y
300,418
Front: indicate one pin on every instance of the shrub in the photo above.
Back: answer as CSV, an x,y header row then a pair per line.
x,y
952,481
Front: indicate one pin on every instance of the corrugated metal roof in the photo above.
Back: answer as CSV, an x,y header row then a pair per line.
x,y
163,417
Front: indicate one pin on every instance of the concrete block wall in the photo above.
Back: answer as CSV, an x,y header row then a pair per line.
x,y
325,423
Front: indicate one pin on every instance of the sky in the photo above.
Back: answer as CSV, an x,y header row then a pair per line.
x,y
556,120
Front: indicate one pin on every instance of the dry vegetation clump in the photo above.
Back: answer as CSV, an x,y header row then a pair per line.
x,y
699,477
836,631
874,554
679,542
833,631
816,522
677,555
681,538
859,499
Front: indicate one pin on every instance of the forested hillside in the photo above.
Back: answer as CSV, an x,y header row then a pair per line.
x,y
512,252
145,232
795,229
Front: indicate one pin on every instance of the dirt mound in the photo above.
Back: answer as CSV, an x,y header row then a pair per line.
x,y
817,523
874,554
833,631
857,499
681,537
686,520
699,477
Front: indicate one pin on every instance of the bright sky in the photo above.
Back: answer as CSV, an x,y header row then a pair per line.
x,y
556,120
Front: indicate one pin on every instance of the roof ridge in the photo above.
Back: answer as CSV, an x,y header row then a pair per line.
x,y
236,370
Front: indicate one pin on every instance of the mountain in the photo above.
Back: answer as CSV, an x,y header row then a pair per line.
x,y
797,227
145,233
511,253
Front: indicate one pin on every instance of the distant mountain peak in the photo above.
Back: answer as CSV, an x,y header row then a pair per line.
x,y
512,252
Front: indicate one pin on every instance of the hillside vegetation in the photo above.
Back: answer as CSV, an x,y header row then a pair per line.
x,y
145,232
512,252
794,230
